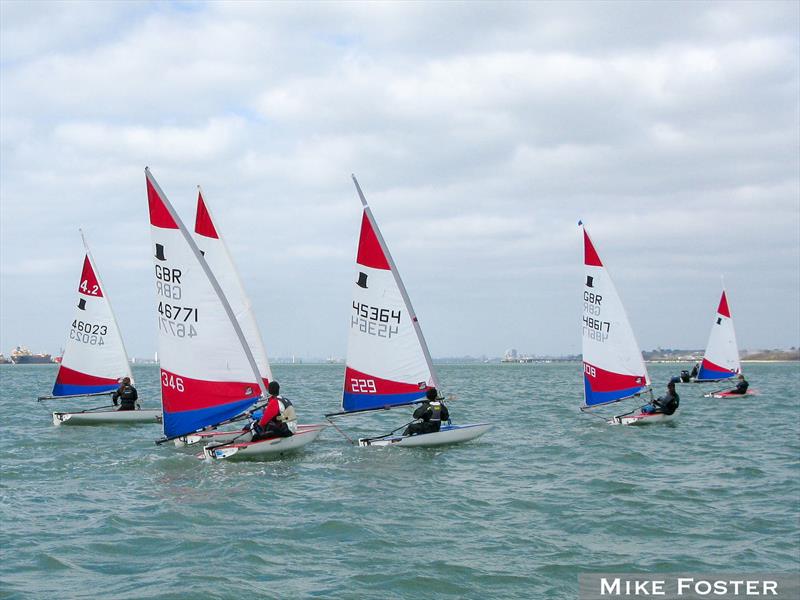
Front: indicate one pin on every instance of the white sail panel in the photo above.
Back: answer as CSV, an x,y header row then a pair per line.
x,y
612,362
215,251
721,360
387,359
94,356
206,372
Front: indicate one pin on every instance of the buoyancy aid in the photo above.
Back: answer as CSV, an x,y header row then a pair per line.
x,y
287,414
128,397
436,412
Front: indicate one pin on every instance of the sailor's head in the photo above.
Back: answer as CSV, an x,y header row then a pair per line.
x,y
671,386
274,388
432,394
125,381
741,377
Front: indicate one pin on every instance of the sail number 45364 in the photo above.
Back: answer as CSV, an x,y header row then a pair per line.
x,y
363,386
171,382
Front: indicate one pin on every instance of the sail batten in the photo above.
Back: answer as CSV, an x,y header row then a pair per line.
x,y
613,366
208,372
721,358
94,357
388,361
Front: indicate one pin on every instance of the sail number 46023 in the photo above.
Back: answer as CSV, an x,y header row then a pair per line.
x,y
363,386
171,382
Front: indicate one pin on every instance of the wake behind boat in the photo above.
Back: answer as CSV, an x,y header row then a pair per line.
x,y
95,360
388,363
613,366
210,372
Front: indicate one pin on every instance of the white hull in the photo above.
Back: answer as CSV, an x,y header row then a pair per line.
x,y
269,448
222,437
643,419
448,434
108,416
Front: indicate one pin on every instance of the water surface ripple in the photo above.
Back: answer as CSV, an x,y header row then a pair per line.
x,y
101,512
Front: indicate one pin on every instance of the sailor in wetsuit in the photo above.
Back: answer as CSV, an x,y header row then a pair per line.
x,y
278,419
666,404
126,394
686,376
430,415
741,386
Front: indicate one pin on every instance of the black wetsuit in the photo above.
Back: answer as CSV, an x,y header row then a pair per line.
x,y
741,388
668,403
431,415
127,396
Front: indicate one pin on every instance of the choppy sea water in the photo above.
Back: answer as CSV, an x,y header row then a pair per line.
x,y
101,512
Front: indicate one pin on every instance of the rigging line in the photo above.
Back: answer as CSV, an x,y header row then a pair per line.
x,y
93,395
336,427
228,443
379,437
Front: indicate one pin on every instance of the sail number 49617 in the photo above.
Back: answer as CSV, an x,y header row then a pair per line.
x,y
171,382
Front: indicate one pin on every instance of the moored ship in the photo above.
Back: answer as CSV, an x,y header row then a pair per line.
x,y
22,356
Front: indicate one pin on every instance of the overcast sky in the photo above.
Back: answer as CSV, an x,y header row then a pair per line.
x,y
480,133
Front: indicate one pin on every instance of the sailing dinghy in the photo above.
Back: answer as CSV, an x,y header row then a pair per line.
x,y
209,373
94,357
388,362
721,359
613,367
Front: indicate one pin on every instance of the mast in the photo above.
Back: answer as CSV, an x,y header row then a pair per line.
x,y
396,274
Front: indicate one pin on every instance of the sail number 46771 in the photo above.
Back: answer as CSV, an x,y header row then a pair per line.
x,y
171,382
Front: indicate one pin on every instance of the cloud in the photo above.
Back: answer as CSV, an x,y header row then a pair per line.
x,y
480,133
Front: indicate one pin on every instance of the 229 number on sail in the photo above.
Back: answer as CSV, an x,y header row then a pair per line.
x,y
364,386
